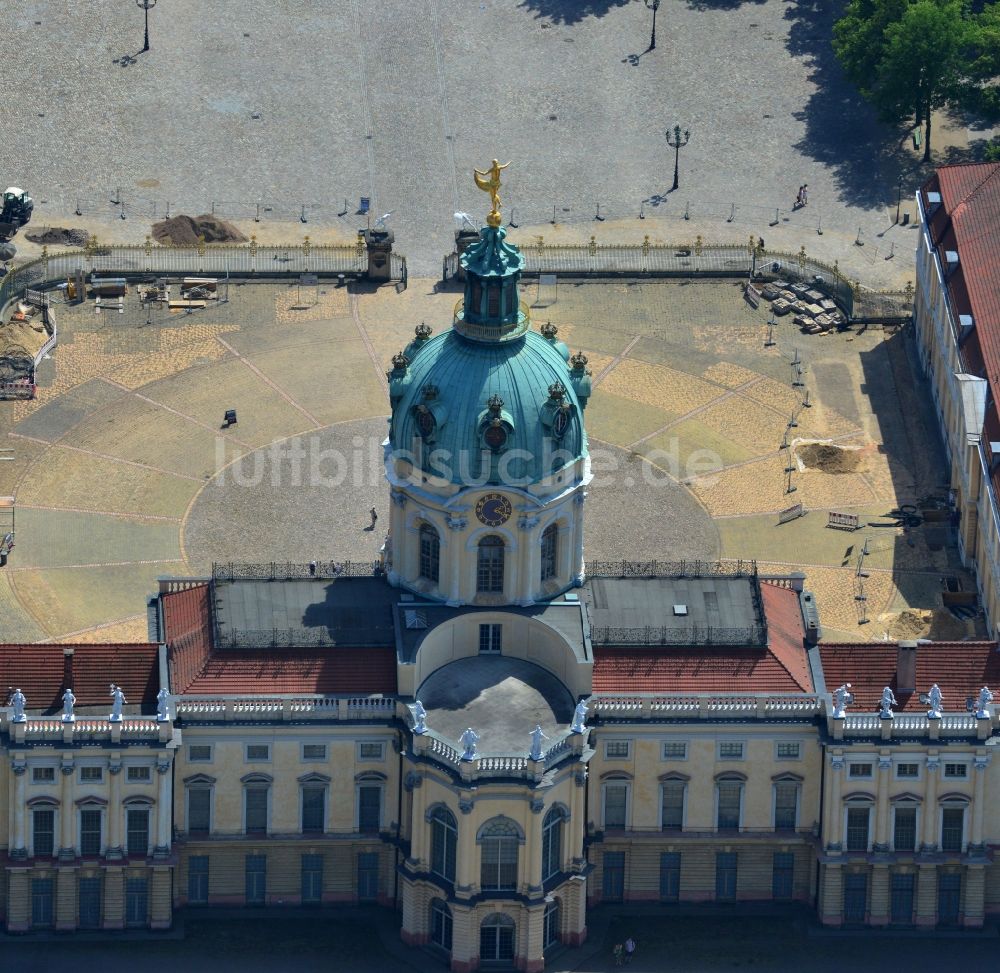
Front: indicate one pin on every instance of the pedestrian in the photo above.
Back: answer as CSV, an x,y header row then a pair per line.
x,y
629,949
798,198
312,569
760,244
374,517
619,953
805,193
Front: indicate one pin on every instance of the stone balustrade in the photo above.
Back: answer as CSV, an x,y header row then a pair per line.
x,y
652,706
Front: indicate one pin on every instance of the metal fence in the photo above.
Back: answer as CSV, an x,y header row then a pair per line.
x,y
290,570
672,569
751,635
244,260
698,258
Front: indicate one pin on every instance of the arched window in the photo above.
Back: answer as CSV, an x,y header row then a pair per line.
x,y
550,550
551,925
500,840
441,924
552,828
489,565
444,842
496,938
430,553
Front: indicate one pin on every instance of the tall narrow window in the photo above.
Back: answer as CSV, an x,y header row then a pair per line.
x,y
255,809
904,828
493,300
313,808
199,809
312,879
137,831
490,639
369,808
490,564
441,923
550,550
500,841
198,880
673,805
857,828
44,830
615,805
90,832
430,553
730,799
786,802
952,828
444,843
552,829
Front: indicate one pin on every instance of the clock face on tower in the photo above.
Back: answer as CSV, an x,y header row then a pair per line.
x,y
493,509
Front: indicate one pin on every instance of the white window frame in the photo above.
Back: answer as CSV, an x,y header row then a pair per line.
x,y
778,744
370,743
731,743
90,767
869,807
953,805
268,809
797,784
56,824
200,760
674,743
964,775
907,763
369,782
715,812
917,826
132,768
188,788
870,764
247,759
140,805
43,783
617,782
313,760
627,755
104,811
684,803
314,785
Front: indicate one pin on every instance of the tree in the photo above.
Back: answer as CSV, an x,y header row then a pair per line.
x,y
924,63
907,57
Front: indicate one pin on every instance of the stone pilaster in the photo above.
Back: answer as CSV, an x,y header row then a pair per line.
x,y
832,895
926,896
115,813
836,811
67,812
65,904
879,909
114,898
974,898
930,829
19,851
882,807
18,900
160,906
163,789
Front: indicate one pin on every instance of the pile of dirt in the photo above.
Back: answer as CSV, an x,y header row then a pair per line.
x,y
828,458
185,231
29,335
916,623
58,236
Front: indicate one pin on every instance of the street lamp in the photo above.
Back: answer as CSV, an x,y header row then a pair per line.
x,y
677,144
899,196
653,5
146,5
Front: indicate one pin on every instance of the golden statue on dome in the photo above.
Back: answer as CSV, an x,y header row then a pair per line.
x,y
489,182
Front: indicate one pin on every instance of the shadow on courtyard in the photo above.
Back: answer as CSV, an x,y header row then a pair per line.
x,y
570,11
843,132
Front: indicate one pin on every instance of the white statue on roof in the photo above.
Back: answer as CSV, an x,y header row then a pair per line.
x,y
469,739
536,742
888,701
69,701
579,717
163,705
936,702
419,715
117,701
18,702
842,697
984,699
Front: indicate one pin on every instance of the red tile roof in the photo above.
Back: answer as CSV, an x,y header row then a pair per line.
x,y
42,672
781,667
195,668
959,668
968,222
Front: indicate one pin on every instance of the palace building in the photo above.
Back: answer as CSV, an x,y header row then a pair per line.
x,y
482,731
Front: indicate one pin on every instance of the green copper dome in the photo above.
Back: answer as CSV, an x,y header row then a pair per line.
x,y
501,412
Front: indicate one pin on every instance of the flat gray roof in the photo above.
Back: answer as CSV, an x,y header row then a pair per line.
x,y
685,606
314,611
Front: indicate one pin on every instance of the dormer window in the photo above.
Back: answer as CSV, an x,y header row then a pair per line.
x,y
495,436
495,425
